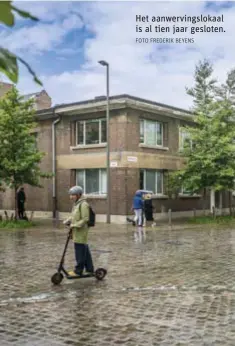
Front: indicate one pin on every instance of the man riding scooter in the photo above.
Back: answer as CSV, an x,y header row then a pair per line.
x,y
78,223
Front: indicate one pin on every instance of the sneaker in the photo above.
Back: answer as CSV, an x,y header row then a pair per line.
x,y
72,273
89,273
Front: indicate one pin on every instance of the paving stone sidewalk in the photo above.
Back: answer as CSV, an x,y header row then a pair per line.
x,y
163,288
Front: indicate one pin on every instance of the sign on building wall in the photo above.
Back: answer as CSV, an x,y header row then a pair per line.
x,y
132,159
113,164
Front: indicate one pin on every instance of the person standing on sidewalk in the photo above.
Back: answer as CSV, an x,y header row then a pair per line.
x,y
138,208
78,223
21,198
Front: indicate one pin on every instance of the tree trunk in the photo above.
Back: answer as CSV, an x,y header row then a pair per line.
x,y
212,201
204,202
16,209
230,203
221,202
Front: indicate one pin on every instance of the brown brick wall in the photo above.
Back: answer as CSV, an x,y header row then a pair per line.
x,y
170,132
187,203
124,135
4,88
41,198
180,204
64,182
43,100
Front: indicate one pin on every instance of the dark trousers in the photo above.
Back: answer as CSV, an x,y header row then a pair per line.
x,y
83,258
21,210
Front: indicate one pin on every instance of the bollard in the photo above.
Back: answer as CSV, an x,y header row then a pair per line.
x,y
194,212
169,216
213,211
6,215
31,216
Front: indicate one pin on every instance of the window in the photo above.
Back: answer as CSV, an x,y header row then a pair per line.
x,y
151,180
91,132
184,138
93,181
184,191
151,133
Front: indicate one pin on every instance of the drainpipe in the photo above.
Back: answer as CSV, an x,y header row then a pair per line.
x,y
54,199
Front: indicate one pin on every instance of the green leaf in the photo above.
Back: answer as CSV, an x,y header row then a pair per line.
x,y
30,71
8,64
19,157
24,14
6,16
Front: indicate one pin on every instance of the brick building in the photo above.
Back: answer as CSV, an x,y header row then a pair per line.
x,y
42,99
145,140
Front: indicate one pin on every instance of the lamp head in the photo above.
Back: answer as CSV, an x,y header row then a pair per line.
x,y
103,63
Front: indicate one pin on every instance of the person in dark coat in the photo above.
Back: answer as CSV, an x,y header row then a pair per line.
x,y
148,208
21,202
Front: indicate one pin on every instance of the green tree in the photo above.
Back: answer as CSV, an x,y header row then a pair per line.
x,y
19,157
226,92
8,60
173,184
210,162
204,87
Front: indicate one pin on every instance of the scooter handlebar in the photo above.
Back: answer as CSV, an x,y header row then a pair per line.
x,y
70,233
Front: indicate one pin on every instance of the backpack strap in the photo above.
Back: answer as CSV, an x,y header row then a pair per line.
x,y
79,207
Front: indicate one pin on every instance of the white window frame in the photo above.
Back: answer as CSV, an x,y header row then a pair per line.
x,y
95,193
184,193
154,191
84,131
183,134
162,129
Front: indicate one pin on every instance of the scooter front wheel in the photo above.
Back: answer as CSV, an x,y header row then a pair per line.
x,y
100,273
57,278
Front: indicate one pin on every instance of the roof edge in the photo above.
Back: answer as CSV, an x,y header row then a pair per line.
x,y
121,96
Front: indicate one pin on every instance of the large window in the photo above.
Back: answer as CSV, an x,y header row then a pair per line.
x,y
152,180
151,132
184,138
93,181
91,132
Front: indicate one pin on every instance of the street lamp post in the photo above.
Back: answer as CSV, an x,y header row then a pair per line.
x,y
104,63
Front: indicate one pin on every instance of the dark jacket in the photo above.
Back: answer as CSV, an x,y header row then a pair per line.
x,y
137,201
21,197
148,209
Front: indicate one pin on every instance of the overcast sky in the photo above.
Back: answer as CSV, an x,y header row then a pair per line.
x,y
64,47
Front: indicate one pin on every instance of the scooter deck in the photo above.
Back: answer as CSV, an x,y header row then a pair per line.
x,y
71,277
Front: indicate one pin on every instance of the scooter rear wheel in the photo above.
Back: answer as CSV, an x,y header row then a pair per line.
x,y
100,273
57,278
